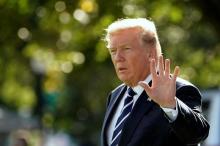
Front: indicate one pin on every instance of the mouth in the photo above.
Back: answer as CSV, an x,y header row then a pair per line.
x,y
121,69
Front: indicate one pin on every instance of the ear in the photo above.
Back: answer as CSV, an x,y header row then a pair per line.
x,y
152,54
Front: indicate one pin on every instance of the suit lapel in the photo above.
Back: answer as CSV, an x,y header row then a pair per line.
x,y
141,107
115,98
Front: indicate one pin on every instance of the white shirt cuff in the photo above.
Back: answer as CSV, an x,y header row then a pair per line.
x,y
171,113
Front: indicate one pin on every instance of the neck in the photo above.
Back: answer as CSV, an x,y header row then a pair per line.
x,y
133,84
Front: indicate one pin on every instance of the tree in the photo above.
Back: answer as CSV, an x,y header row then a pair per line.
x,y
54,64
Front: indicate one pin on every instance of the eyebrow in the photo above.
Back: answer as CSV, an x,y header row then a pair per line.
x,y
121,46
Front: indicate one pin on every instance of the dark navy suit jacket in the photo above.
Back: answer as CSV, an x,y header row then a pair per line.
x,y
148,125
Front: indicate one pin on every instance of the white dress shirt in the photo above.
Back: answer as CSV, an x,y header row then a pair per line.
x,y
171,113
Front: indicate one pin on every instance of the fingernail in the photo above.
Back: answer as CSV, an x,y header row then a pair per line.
x,y
141,82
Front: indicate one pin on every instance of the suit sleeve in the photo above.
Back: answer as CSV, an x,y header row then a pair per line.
x,y
190,125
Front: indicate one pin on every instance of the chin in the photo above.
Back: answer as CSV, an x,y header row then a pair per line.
x,y
123,78
127,81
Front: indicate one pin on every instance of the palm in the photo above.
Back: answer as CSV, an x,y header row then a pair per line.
x,y
163,87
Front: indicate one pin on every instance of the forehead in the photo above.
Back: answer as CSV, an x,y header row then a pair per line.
x,y
124,37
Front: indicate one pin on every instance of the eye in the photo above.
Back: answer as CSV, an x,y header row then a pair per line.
x,y
127,48
112,51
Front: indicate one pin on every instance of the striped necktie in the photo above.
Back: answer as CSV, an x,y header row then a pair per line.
x,y
128,103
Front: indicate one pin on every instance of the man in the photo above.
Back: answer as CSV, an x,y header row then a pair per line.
x,y
152,107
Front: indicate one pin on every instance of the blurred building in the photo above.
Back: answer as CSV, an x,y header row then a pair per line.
x,y
211,109
11,122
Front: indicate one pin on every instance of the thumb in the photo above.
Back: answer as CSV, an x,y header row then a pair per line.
x,y
145,85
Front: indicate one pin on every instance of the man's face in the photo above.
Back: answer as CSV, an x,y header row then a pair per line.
x,y
130,58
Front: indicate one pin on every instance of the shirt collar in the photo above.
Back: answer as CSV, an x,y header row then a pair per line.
x,y
139,89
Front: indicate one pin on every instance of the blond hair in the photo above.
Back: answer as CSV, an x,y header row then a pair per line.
x,y
147,26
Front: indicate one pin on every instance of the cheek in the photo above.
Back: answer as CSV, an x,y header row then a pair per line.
x,y
141,64
133,66
114,63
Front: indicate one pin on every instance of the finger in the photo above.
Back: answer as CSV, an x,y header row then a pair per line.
x,y
153,68
167,67
176,72
146,87
161,65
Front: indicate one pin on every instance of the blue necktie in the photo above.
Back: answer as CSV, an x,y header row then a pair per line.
x,y
128,103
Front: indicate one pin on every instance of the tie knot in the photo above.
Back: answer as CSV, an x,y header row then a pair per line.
x,y
131,92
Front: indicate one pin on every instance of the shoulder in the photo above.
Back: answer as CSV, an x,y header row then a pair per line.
x,y
186,87
182,83
113,94
117,90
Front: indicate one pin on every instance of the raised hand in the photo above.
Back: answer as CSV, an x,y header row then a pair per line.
x,y
163,88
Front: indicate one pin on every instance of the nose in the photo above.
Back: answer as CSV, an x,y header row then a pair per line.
x,y
118,56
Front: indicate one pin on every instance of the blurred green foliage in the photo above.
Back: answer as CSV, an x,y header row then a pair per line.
x,y
54,64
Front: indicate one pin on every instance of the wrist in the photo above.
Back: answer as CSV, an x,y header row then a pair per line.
x,y
171,104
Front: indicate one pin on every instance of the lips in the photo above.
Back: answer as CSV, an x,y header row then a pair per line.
x,y
121,69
